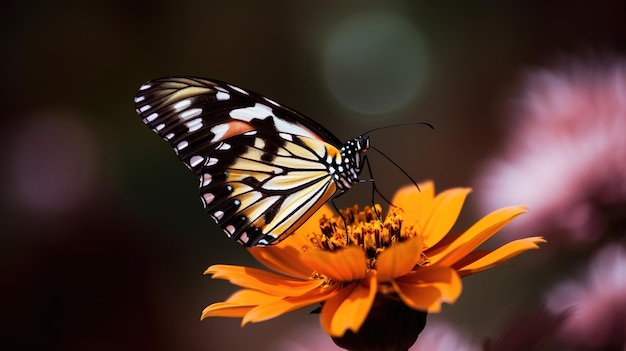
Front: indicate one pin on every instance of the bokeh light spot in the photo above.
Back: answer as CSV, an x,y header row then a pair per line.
x,y
375,63
53,163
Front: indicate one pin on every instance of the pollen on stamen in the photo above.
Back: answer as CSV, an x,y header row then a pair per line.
x,y
365,229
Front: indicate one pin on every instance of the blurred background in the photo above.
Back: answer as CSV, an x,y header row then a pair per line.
x,y
103,236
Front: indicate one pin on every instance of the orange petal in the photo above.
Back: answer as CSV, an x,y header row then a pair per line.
x,y
482,230
500,255
247,297
445,278
399,259
415,202
258,279
350,307
344,265
279,307
284,259
443,214
428,287
225,309
422,298
238,304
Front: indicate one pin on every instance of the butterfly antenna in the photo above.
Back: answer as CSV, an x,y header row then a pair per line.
x,y
388,158
397,166
400,125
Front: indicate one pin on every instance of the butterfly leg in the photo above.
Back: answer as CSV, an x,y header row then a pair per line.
x,y
345,223
374,188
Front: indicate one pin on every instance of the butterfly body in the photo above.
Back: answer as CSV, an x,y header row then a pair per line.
x,y
263,168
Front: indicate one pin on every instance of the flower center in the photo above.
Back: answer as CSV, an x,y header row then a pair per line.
x,y
365,229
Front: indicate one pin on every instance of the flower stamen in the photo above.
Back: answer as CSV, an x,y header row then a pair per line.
x,y
365,230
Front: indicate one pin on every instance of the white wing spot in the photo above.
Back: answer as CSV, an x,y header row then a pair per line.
x,y
238,89
286,136
144,108
145,86
194,124
218,215
230,229
152,117
258,111
183,144
293,128
182,104
208,198
139,99
263,241
159,127
195,160
212,161
206,179
190,113
224,146
252,132
219,131
222,95
169,136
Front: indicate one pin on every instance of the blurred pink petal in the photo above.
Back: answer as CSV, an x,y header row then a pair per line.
x,y
310,337
531,330
438,336
565,156
596,303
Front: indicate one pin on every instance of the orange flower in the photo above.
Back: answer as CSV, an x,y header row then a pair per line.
x,y
408,257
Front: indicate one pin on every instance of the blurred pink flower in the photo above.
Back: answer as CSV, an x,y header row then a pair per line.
x,y
565,156
596,304
310,337
533,329
437,336
442,337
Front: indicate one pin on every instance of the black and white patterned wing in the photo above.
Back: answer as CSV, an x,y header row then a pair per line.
x,y
263,168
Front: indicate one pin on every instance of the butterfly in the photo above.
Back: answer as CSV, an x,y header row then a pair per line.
x,y
264,168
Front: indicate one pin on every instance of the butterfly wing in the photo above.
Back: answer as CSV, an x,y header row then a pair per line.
x,y
263,167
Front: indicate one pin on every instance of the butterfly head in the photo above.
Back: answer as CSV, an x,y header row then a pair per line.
x,y
362,143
